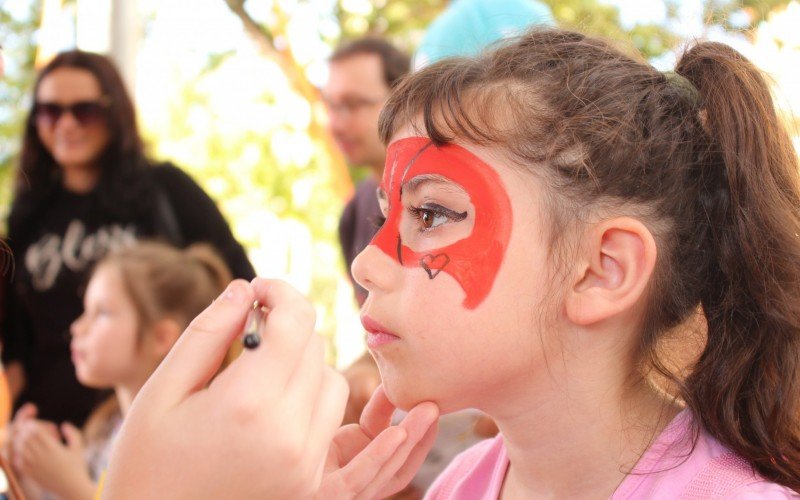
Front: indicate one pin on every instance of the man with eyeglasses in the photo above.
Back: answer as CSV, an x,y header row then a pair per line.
x,y
362,74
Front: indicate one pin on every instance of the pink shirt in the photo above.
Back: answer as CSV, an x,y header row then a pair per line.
x,y
669,469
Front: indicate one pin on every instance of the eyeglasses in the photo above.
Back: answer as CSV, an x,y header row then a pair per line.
x,y
351,106
84,112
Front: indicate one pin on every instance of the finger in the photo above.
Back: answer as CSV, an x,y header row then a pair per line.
x,y
328,411
377,414
417,424
20,435
72,436
351,480
303,389
20,461
24,432
30,443
49,428
285,332
199,352
419,452
41,434
26,412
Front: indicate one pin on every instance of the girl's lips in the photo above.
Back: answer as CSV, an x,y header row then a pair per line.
x,y
76,355
377,335
375,340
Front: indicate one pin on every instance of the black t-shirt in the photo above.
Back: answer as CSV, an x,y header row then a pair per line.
x,y
52,262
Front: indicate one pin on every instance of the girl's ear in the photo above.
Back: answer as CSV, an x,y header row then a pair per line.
x,y
613,271
164,334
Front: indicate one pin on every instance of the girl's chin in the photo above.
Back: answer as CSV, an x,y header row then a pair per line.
x,y
398,395
91,382
404,397
74,158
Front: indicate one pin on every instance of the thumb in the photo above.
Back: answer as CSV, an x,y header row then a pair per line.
x,y
26,412
72,435
199,352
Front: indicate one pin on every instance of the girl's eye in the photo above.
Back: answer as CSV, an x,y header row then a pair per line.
x,y
430,219
432,215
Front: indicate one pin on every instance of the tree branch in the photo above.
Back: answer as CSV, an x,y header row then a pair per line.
x,y
262,37
265,42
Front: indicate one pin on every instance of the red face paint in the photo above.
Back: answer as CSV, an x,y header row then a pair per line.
x,y
473,261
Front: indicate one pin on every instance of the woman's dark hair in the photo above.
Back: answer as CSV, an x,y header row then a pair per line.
x,y
39,174
702,158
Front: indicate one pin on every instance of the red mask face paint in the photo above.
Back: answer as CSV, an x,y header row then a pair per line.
x,y
472,261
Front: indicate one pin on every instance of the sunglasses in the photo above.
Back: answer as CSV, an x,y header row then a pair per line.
x,y
84,112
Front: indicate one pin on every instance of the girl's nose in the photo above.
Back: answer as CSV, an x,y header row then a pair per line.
x,y
376,271
76,327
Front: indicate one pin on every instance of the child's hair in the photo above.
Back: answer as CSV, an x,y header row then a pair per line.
x,y
701,157
164,282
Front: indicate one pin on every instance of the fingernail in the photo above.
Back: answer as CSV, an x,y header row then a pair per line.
x,y
234,293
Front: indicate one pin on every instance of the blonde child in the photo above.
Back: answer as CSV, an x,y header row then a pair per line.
x,y
555,208
136,304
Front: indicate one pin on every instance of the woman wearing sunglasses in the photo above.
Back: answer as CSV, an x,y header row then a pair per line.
x,y
84,188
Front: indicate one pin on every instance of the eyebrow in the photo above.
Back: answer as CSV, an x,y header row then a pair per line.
x,y
413,185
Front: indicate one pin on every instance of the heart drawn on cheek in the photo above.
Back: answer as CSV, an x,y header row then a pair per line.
x,y
433,264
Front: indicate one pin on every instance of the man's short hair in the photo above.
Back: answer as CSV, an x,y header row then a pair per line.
x,y
394,61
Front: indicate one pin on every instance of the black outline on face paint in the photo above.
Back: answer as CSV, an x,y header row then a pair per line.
x,y
391,185
435,272
412,162
399,250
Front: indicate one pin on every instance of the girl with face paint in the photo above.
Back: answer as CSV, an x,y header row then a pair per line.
x,y
555,211
558,215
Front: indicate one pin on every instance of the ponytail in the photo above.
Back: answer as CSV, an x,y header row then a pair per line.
x,y
745,386
207,258
702,158
163,281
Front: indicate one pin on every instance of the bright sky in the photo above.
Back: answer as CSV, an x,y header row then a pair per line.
x,y
647,11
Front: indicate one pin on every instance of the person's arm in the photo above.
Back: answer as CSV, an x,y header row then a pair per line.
x,y
15,378
265,426
200,220
39,455
14,331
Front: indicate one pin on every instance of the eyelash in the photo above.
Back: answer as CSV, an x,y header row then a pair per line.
x,y
435,210
417,212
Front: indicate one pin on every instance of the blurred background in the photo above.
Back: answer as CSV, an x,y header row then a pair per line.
x,y
228,90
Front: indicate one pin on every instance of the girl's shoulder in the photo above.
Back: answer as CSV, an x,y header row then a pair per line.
x,y
687,462
477,472
730,476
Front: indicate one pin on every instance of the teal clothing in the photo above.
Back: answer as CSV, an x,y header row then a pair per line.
x,y
468,26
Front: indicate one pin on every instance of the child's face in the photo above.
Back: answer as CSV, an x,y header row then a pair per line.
x,y
457,276
104,343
